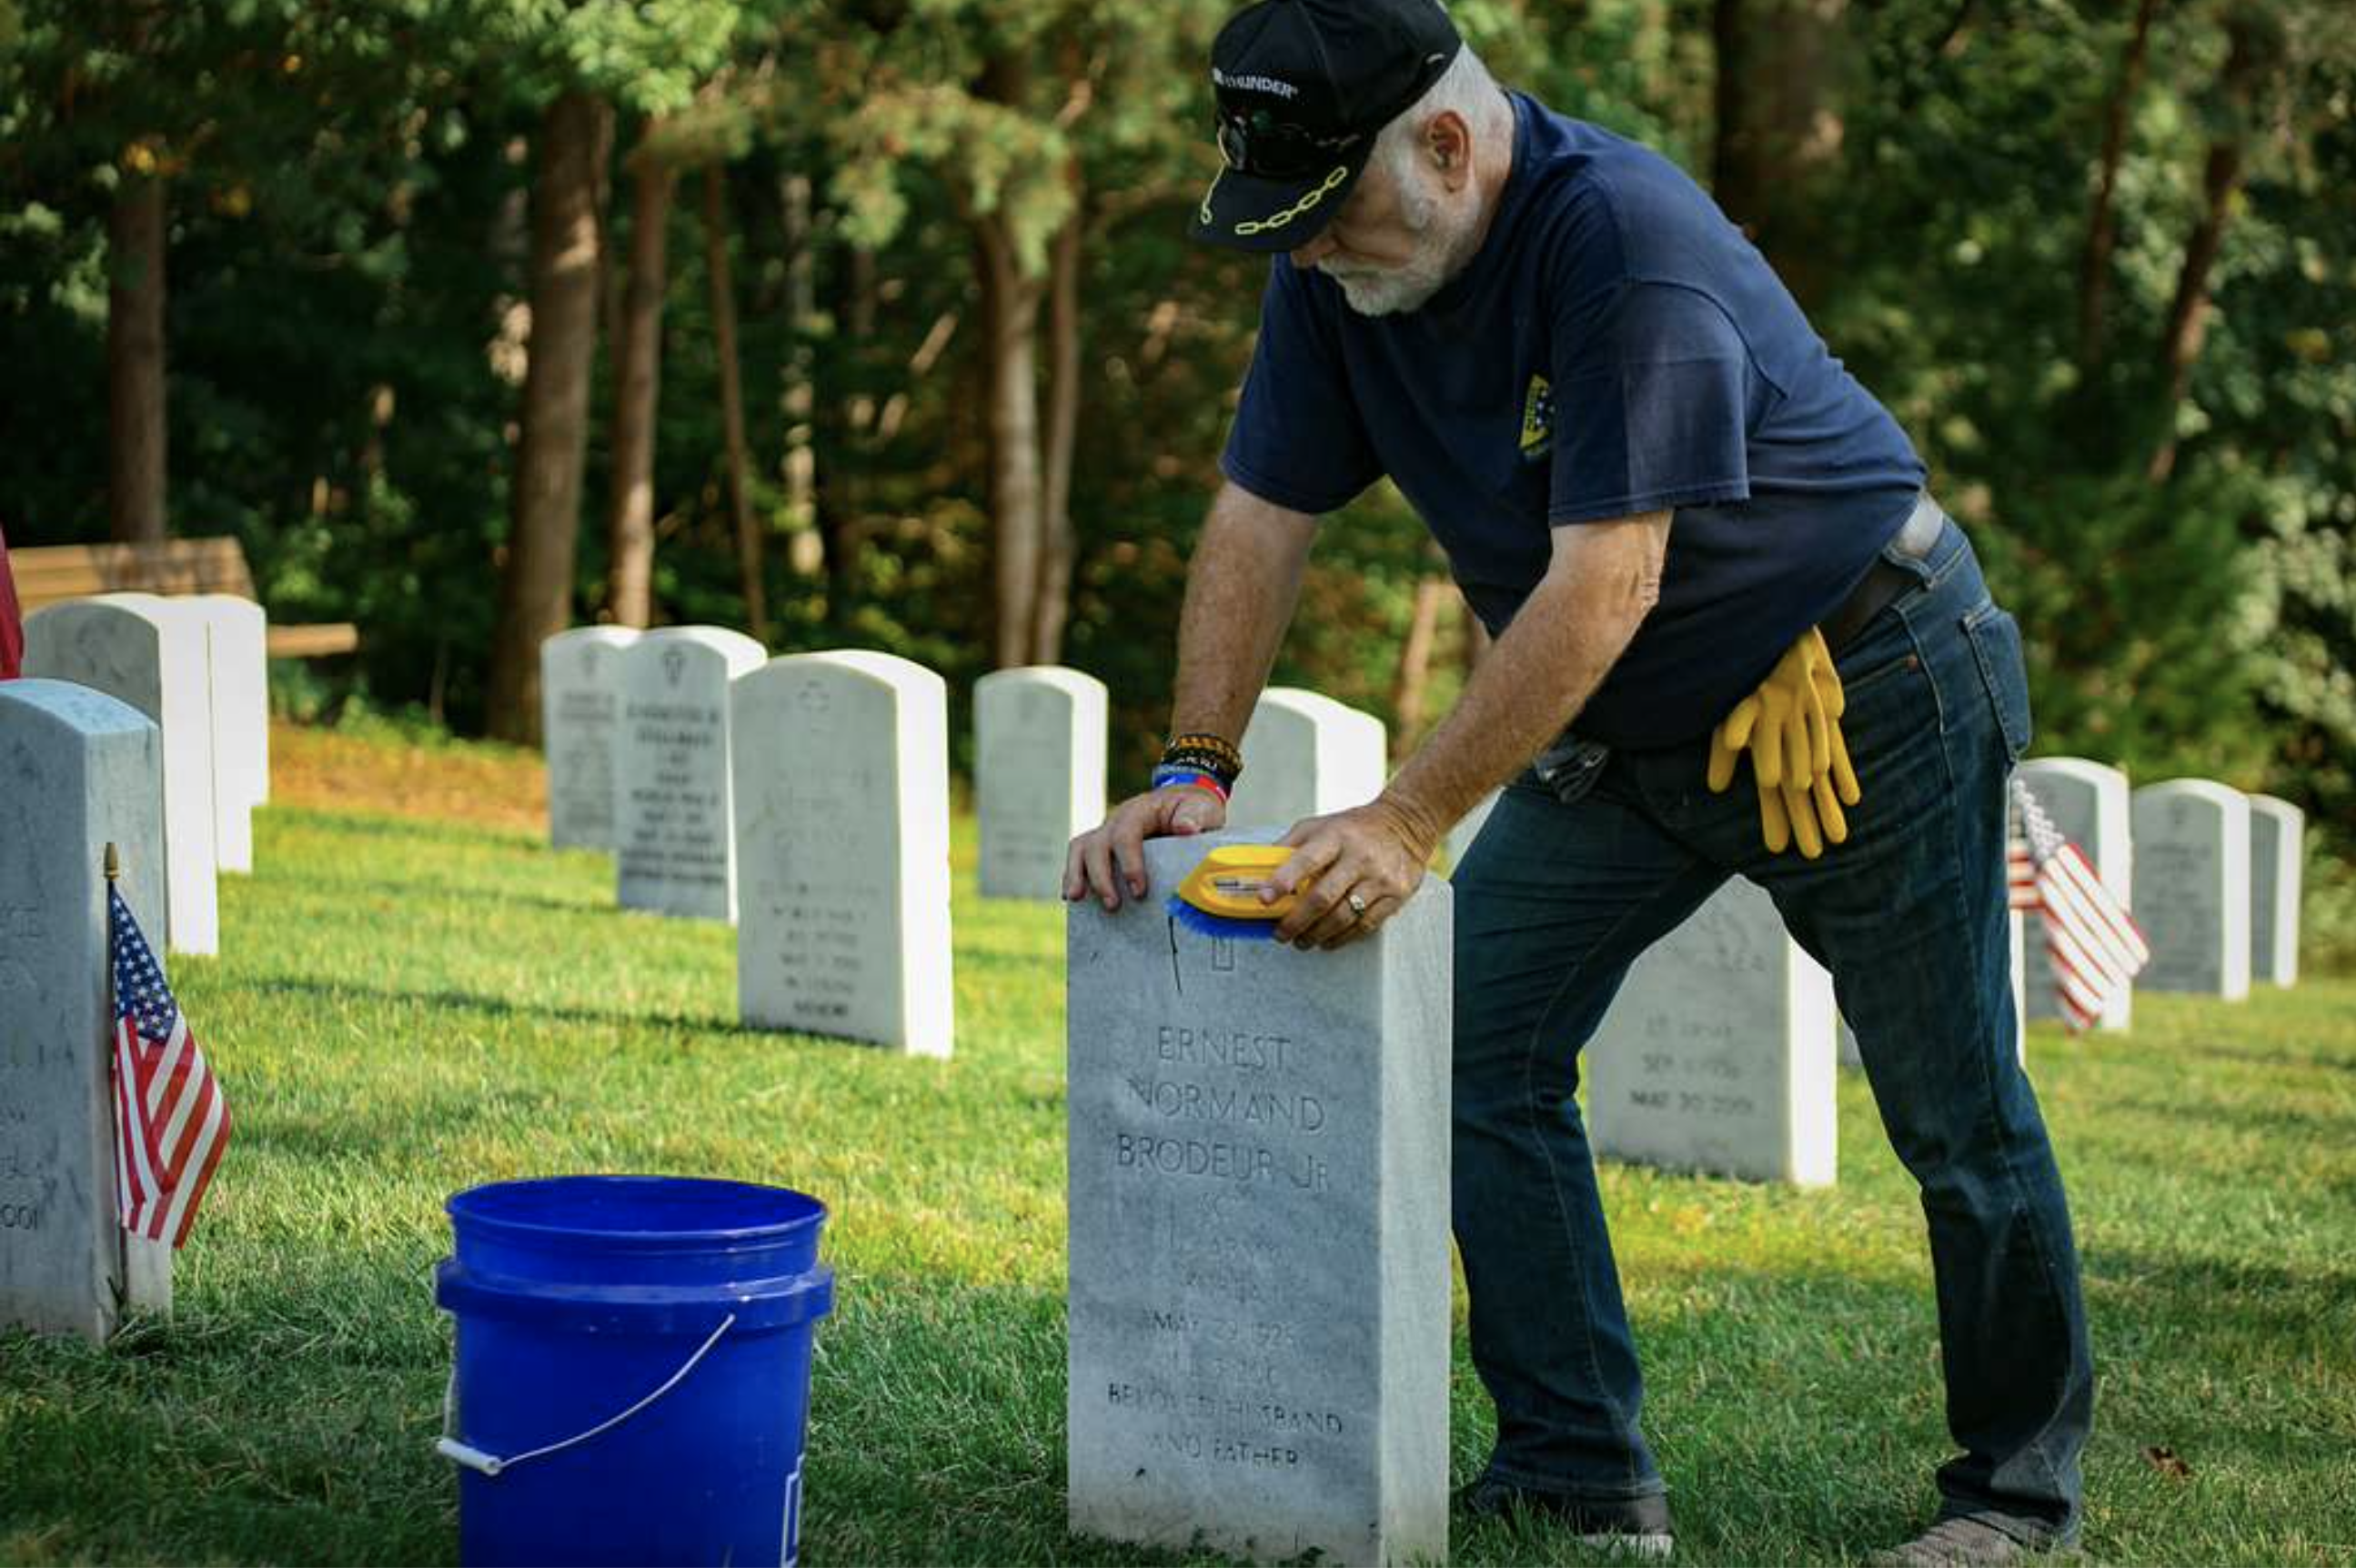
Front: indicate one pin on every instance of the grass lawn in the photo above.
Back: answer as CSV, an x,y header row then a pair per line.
x,y
416,996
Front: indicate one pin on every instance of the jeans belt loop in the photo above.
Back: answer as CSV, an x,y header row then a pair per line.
x,y
1883,581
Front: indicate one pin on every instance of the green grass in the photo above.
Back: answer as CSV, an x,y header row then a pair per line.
x,y
408,1006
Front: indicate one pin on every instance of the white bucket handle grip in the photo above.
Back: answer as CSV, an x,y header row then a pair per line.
x,y
474,1459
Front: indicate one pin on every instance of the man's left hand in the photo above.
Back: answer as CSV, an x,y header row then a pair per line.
x,y
1354,870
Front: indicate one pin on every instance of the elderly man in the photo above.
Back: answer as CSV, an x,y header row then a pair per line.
x,y
1695,536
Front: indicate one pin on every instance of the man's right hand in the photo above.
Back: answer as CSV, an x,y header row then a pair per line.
x,y
1109,861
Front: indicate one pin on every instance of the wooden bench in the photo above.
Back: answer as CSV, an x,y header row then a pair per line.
x,y
55,572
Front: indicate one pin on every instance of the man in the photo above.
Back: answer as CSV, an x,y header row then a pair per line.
x,y
12,622
1652,481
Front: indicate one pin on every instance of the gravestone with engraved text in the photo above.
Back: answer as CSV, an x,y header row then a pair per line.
x,y
674,830
1259,1267
1717,1054
580,718
78,770
1039,775
153,653
2277,852
842,836
2192,886
1305,755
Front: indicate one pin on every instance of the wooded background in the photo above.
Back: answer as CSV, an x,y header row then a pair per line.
x,y
874,323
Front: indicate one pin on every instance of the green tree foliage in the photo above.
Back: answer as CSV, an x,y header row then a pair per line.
x,y
2171,505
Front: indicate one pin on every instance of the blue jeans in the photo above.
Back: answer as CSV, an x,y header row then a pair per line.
x,y
1555,902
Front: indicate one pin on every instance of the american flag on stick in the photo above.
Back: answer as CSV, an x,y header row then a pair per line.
x,y
2091,943
171,1122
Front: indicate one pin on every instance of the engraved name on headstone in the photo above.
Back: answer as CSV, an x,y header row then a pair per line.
x,y
1717,1054
1305,755
581,711
843,834
237,636
2088,804
152,653
2192,886
78,770
2277,836
1039,775
673,832
1259,1273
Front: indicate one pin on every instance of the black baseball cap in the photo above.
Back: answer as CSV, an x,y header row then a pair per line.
x,y
1303,87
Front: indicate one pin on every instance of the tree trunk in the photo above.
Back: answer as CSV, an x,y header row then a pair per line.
x,y
1011,317
2102,236
798,401
1057,540
135,360
1778,140
638,384
1413,687
731,395
536,585
2187,312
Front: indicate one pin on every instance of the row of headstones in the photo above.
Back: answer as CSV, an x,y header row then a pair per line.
x,y
198,666
806,799
2213,876
1718,1052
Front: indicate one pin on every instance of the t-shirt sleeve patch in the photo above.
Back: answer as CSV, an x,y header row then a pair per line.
x,y
1654,406
1297,440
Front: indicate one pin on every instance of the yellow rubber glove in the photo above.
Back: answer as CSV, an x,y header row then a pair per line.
x,y
1791,727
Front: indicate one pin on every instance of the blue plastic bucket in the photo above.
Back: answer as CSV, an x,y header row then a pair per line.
x,y
633,1370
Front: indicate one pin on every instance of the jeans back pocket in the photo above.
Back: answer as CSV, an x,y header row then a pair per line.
x,y
1995,647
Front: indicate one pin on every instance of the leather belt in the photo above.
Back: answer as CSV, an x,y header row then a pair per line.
x,y
1885,581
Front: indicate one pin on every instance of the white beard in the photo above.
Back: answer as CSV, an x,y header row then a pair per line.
x,y
1444,249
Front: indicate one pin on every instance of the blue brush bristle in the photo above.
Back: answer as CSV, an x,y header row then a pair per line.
x,y
1209,924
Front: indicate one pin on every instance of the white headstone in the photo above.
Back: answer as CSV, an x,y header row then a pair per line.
x,y
153,653
2088,804
2192,887
1461,837
1305,755
238,637
78,770
1851,1057
674,846
843,834
1717,1054
580,716
1258,1275
1039,775
2277,838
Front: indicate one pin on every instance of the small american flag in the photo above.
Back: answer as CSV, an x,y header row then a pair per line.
x,y
2091,943
171,1122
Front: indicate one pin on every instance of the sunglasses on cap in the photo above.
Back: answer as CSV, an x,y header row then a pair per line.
x,y
1255,143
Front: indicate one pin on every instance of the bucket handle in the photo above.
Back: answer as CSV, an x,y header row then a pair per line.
x,y
450,1448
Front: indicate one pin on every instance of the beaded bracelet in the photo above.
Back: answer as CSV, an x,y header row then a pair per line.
x,y
1218,751
1169,776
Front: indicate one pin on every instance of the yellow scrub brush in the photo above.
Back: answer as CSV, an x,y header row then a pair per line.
x,y
1220,897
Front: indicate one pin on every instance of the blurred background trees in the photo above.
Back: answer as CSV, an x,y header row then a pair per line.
x,y
873,323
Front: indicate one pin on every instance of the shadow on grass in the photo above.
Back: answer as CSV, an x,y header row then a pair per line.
x,y
508,1009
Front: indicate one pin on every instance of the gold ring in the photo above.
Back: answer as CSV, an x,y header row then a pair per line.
x,y
1357,905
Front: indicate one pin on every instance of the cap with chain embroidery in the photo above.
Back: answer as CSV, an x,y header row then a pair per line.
x,y
1303,87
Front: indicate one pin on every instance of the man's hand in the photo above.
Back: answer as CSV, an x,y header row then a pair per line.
x,y
1108,860
1358,867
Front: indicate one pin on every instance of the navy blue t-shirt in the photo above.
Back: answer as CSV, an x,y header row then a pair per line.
x,y
1616,347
